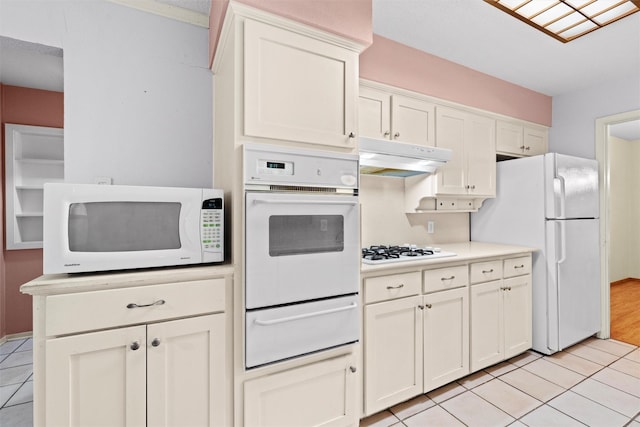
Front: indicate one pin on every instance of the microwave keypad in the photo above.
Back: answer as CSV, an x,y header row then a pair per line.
x,y
212,229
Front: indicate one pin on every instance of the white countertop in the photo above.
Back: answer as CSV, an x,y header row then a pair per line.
x,y
465,251
54,284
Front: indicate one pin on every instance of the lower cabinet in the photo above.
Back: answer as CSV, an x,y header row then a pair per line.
x,y
318,394
160,374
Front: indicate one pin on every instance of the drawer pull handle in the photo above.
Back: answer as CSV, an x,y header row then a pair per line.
x,y
487,271
352,369
506,288
428,305
134,305
401,285
519,266
447,278
305,315
135,345
155,342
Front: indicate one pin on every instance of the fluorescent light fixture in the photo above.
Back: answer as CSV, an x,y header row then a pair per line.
x,y
566,20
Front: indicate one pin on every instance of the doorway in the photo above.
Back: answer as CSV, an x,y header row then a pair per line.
x,y
603,140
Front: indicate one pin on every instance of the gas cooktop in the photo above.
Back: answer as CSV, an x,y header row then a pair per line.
x,y
381,254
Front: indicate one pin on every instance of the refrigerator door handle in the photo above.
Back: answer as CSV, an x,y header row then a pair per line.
x,y
559,195
561,246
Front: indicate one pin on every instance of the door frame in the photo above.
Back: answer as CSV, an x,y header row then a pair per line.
x,y
602,156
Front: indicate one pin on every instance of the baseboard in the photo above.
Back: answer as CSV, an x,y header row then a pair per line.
x,y
628,279
16,336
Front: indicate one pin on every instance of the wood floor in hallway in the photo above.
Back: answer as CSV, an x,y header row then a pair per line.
x,y
625,311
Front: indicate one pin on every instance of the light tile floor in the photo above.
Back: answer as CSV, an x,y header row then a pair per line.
x,y
593,383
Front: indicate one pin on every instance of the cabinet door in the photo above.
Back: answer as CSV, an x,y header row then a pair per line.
x,y
480,148
99,377
393,353
374,113
450,133
298,88
186,372
446,337
487,332
509,138
534,141
517,315
319,394
412,120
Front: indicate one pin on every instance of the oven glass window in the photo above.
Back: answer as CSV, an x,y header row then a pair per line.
x,y
305,234
124,226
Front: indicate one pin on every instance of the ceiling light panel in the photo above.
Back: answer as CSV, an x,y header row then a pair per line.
x,y
566,20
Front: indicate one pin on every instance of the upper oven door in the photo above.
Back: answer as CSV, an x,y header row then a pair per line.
x,y
300,247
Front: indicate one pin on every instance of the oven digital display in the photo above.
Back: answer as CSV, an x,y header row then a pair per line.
x,y
275,165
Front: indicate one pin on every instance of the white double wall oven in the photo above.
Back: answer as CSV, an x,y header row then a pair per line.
x,y
301,252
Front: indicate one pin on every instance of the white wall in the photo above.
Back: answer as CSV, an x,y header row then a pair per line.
x,y
574,114
138,91
624,209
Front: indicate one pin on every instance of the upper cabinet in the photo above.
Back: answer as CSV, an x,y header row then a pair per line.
x,y
34,155
395,117
298,87
515,139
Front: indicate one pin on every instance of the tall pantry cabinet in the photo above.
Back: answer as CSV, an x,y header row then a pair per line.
x,y
280,82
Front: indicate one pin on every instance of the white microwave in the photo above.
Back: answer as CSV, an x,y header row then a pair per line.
x,y
113,227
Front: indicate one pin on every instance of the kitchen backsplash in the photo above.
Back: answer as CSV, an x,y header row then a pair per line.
x,y
384,220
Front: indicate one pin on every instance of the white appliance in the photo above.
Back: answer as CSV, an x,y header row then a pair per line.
x,y
112,227
389,158
387,254
301,252
551,202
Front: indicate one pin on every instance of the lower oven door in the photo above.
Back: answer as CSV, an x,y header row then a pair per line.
x,y
300,247
278,333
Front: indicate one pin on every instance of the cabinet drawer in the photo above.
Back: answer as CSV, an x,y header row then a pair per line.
x,y
391,287
446,278
486,271
517,266
71,313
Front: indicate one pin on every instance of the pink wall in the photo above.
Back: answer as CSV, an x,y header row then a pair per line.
x,y
23,106
348,18
389,62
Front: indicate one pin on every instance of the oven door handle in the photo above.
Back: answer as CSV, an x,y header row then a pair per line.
x,y
303,202
304,316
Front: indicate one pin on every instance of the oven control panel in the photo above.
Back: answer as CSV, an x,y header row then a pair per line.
x,y
271,167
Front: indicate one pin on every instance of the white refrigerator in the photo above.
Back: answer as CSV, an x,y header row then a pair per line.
x,y
551,202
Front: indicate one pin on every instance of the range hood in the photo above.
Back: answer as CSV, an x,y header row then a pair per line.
x,y
388,158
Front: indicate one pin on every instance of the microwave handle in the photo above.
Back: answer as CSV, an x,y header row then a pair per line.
x,y
304,202
305,315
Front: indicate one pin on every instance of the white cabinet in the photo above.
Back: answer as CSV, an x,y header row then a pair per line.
x,y
469,177
446,337
517,139
393,359
501,313
101,377
298,88
396,117
138,349
33,155
319,394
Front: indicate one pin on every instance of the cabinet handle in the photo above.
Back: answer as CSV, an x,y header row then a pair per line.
x,y
473,187
352,135
134,305
387,133
353,369
467,186
134,345
527,148
428,305
487,271
447,278
155,342
401,285
421,307
519,266
396,135
506,288
522,147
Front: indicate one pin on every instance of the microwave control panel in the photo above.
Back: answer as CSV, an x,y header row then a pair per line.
x,y
212,230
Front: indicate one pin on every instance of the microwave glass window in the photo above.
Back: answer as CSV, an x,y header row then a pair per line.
x,y
305,234
124,226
